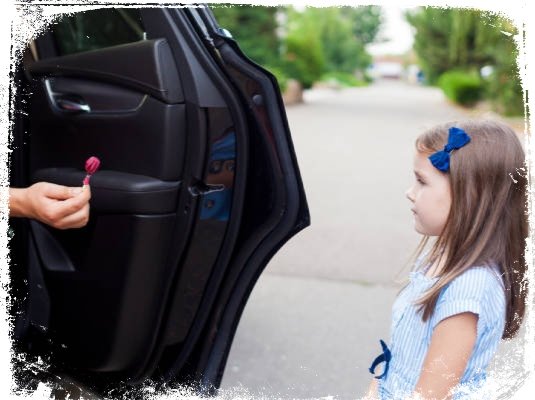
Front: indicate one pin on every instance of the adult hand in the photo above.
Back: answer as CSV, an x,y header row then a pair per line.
x,y
61,207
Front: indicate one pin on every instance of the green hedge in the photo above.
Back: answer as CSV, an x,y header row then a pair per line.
x,y
461,87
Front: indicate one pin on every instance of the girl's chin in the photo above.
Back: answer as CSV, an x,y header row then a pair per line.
x,y
423,231
420,229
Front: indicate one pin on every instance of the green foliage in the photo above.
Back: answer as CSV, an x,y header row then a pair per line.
x,y
342,51
304,56
461,87
366,22
312,42
330,39
254,28
506,93
503,87
453,39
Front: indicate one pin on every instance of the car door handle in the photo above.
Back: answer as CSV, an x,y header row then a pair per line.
x,y
66,102
70,105
200,188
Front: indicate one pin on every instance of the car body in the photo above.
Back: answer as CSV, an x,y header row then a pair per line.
x,y
198,188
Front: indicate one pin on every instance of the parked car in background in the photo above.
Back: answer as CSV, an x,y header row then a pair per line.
x,y
198,188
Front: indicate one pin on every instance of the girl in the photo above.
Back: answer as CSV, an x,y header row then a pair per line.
x,y
468,290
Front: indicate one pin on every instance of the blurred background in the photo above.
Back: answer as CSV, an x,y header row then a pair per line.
x,y
359,84
469,54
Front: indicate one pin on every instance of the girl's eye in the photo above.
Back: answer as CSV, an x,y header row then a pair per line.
x,y
420,181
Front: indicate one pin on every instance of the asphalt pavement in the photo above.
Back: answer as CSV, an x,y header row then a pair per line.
x,y
312,325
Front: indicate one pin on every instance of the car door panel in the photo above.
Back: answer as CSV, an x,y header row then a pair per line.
x,y
198,189
138,199
105,282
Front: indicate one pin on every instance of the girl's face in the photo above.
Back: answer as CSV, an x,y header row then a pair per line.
x,y
430,197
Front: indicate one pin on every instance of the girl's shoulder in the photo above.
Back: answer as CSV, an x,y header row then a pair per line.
x,y
479,277
479,290
481,284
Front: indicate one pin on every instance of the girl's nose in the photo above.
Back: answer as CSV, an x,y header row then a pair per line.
x,y
409,195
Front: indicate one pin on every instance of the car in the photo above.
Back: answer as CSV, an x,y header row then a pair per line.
x,y
198,188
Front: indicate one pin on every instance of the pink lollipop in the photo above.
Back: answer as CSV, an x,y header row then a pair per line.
x,y
91,166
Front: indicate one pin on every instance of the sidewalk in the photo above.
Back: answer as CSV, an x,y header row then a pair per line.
x,y
323,336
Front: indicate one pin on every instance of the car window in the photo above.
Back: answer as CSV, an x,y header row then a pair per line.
x,y
96,29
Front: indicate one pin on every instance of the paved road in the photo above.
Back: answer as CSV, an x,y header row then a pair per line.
x,y
313,322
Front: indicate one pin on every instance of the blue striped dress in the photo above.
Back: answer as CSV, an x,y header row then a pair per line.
x,y
478,290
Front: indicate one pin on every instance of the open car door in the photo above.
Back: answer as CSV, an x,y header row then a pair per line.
x,y
198,188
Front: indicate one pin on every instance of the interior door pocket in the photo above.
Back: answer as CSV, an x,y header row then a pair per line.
x,y
114,191
50,251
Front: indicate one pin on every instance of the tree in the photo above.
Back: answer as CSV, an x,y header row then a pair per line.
x,y
331,39
495,39
431,41
467,40
366,22
303,50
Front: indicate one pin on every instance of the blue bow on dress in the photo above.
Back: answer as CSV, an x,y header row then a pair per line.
x,y
386,356
457,138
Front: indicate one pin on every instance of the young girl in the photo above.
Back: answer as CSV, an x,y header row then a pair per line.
x,y
468,290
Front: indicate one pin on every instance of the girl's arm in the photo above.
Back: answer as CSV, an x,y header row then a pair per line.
x,y
451,345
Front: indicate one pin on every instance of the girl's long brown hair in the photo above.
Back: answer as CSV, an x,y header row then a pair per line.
x,y
487,223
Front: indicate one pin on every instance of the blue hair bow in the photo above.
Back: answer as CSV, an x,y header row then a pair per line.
x,y
385,357
457,138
